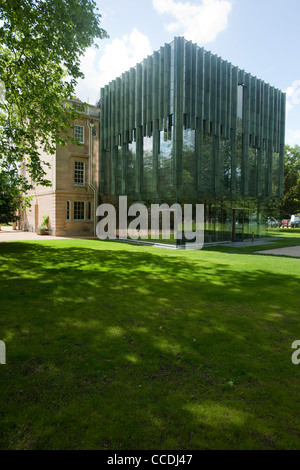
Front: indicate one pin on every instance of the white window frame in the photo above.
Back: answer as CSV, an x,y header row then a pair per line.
x,y
76,183
81,136
79,202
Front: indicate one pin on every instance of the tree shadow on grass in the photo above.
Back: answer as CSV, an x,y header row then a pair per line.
x,y
130,348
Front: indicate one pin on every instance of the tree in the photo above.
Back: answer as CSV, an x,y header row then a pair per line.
x,y
9,199
292,160
41,43
290,204
8,207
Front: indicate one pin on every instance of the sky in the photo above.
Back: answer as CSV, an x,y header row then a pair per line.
x,y
260,36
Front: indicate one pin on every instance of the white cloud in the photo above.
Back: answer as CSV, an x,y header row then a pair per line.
x,y
199,23
122,54
293,95
292,137
118,57
88,89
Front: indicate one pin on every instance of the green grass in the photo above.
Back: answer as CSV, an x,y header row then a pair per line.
x,y
284,230
114,346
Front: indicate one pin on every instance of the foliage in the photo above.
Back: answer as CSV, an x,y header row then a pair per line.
x,y
45,222
41,43
292,159
8,201
7,209
9,198
290,203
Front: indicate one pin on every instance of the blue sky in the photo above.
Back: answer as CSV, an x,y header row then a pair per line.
x,y
260,36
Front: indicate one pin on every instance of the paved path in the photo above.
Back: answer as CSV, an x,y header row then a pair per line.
x,y
7,234
247,243
293,251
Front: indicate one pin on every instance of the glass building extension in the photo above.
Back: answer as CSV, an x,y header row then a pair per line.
x,y
185,126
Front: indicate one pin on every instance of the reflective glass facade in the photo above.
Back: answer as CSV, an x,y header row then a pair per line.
x,y
186,126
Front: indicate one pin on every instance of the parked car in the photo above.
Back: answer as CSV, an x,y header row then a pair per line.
x,y
295,221
285,223
272,222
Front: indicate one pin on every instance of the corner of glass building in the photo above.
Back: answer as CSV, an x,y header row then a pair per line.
x,y
187,127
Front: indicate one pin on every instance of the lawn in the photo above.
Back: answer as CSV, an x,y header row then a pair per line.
x,y
115,346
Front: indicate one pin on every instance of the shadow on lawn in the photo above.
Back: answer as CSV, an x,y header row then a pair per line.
x,y
130,349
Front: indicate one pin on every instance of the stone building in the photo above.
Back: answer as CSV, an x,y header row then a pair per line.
x,y
71,201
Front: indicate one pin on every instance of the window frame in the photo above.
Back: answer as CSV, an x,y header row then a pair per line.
x,y
81,134
76,170
68,211
76,211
